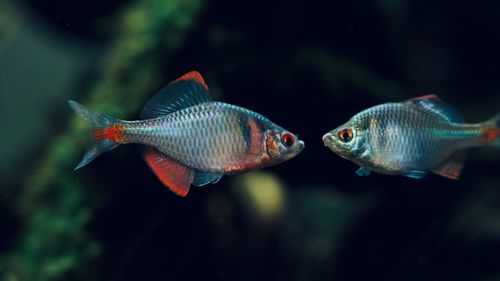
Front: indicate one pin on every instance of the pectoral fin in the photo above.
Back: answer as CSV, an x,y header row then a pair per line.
x,y
416,174
363,172
203,178
172,174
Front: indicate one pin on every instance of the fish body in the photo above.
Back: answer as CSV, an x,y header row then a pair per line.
x,y
410,138
191,139
215,137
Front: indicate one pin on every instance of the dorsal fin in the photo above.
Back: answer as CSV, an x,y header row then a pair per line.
x,y
432,104
187,91
172,174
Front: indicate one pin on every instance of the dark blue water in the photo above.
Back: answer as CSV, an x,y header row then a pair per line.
x,y
308,66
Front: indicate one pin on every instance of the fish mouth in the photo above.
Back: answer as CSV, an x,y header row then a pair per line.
x,y
328,139
301,144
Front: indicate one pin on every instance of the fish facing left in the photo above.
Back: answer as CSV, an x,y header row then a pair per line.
x,y
411,138
191,139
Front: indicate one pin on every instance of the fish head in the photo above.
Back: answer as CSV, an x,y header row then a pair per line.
x,y
281,145
347,140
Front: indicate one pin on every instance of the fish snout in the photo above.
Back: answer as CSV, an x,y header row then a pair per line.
x,y
328,138
302,145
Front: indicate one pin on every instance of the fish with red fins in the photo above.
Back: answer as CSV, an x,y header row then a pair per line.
x,y
191,139
411,138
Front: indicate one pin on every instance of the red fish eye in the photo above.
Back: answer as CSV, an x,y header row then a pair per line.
x,y
345,135
287,139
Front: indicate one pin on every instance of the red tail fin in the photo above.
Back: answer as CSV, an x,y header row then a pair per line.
x,y
113,133
493,130
107,132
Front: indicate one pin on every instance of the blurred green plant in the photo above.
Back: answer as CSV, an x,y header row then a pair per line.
x,y
53,243
9,24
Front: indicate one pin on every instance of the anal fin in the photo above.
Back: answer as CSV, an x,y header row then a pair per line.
x,y
172,174
452,167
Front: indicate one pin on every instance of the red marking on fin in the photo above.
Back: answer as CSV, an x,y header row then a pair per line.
x,y
426,97
113,133
194,75
451,171
175,176
492,134
452,167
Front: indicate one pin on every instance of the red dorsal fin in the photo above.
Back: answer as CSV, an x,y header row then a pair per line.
x,y
427,97
195,76
187,91
175,176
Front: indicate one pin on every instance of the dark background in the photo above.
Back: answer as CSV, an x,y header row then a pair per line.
x,y
308,66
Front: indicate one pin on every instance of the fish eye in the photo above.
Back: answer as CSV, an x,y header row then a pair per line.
x,y
287,139
345,135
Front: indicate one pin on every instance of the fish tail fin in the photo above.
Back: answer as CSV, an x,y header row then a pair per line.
x,y
493,131
107,132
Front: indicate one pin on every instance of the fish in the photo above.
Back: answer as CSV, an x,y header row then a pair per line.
x,y
190,139
411,138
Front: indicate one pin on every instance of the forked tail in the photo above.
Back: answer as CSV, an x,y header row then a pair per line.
x,y
106,132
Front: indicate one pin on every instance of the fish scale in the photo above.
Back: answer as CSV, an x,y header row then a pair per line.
x,y
412,142
410,138
187,137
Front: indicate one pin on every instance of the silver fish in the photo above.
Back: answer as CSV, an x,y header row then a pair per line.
x,y
191,139
410,138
